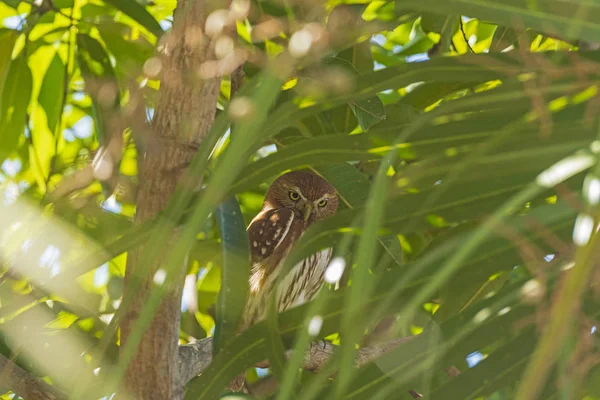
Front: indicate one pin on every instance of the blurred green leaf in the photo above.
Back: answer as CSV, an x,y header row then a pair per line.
x,y
130,55
504,38
352,327
100,80
8,37
52,91
431,22
208,289
64,3
369,111
577,21
16,93
275,347
138,13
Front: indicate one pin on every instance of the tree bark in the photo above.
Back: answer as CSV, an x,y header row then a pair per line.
x,y
25,385
184,114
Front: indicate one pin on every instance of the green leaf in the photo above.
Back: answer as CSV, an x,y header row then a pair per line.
x,y
498,370
235,272
354,318
98,74
468,68
431,22
458,337
16,93
12,3
578,21
368,111
94,61
428,93
130,55
319,151
350,184
63,3
8,37
275,346
399,115
504,38
63,320
52,91
208,289
353,188
138,13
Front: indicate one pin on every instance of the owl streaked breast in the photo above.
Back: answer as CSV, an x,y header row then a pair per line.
x,y
299,286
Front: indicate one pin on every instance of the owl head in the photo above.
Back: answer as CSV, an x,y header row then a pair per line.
x,y
308,195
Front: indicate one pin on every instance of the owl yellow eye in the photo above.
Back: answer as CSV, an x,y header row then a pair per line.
x,y
294,196
322,203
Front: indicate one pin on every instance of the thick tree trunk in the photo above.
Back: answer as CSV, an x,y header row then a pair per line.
x,y
184,114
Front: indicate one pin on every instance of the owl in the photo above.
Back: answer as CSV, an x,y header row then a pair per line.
x,y
293,202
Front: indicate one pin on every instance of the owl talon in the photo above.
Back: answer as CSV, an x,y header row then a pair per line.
x,y
238,384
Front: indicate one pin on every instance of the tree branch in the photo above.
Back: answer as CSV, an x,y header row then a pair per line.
x,y
194,358
184,114
25,385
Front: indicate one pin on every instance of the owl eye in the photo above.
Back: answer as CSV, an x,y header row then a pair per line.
x,y
294,196
322,203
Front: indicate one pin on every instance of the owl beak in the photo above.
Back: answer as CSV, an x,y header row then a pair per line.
x,y
307,211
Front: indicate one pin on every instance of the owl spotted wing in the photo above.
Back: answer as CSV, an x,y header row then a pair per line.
x,y
267,230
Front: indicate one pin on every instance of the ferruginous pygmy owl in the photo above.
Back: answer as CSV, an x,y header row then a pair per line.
x,y
292,203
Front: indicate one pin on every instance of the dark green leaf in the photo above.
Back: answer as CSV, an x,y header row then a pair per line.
x,y
12,3
351,185
369,111
235,272
16,93
52,91
138,13
431,22
130,55
504,38
98,74
63,3
8,37
275,346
